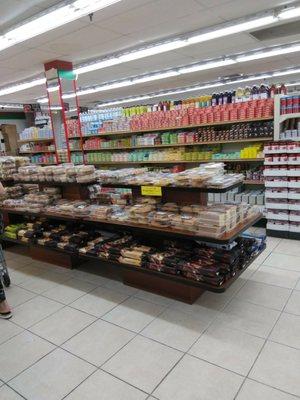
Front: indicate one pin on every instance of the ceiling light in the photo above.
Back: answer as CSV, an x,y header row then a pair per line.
x,y
22,86
203,86
43,101
219,31
150,51
154,77
204,66
235,28
288,72
289,13
53,19
128,100
53,89
292,84
269,53
13,106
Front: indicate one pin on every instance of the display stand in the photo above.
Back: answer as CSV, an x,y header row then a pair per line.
x,y
282,171
177,287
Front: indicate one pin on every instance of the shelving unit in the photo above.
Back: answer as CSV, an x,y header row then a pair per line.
x,y
177,162
172,128
36,140
282,211
192,145
177,287
250,140
127,267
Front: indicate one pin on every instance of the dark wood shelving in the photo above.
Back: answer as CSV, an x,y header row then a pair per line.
x,y
175,278
228,237
228,160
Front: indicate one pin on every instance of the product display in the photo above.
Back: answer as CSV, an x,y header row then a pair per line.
x,y
36,148
197,262
58,173
291,129
173,155
282,181
10,165
252,130
196,116
207,175
34,133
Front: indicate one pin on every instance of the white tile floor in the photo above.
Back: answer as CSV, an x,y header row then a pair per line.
x,y
76,335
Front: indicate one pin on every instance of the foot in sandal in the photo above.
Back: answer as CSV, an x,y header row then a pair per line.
x,y
5,311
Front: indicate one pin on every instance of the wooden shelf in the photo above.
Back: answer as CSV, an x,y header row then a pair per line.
x,y
176,188
35,140
175,278
228,237
246,160
265,139
37,152
173,128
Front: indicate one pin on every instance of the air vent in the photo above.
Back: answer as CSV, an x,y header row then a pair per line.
x,y
284,30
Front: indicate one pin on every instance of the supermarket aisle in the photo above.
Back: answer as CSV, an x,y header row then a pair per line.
x,y
75,335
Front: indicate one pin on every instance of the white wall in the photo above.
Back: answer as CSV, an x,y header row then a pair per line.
x,y
20,123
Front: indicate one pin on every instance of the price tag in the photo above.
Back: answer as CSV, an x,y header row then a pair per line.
x,y
151,191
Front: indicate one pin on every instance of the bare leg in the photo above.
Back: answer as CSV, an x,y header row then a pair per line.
x,y
4,307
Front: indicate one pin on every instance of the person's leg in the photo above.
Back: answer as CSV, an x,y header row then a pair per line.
x,y
4,307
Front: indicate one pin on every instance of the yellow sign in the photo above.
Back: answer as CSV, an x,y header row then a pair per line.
x,y
151,191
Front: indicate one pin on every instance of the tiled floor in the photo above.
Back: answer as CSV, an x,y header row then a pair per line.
x,y
76,335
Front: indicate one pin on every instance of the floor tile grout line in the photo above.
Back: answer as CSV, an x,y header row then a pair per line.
x,y
21,395
99,368
262,348
186,352
273,387
31,365
203,332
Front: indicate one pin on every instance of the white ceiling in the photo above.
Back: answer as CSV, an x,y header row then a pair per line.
x,y
130,23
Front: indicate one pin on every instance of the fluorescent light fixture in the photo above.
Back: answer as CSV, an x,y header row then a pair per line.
x,y
199,87
189,39
22,86
55,18
293,84
12,106
232,29
288,72
128,100
204,66
269,53
155,77
289,13
43,101
53,89
150,51
56,108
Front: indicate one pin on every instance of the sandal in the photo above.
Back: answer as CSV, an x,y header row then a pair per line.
x,y
6,315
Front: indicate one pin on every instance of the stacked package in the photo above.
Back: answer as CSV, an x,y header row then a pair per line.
x,y
72,238
9,166
65,173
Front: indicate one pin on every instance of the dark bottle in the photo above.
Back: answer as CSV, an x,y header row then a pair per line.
x,y
214,99
220,99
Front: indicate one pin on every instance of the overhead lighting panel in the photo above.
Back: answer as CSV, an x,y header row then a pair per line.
x,y
232,29
54,18
269,53
292,12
